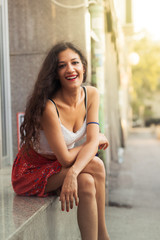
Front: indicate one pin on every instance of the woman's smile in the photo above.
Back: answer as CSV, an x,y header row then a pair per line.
x,y
71,77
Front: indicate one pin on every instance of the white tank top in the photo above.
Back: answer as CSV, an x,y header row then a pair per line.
x,y
71,138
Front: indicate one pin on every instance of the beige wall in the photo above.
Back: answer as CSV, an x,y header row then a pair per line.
x,y
34,26
112,98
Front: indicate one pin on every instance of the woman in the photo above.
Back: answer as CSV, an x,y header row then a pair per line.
x,y
59,114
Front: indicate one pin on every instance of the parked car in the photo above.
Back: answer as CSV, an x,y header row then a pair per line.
x,y
149,122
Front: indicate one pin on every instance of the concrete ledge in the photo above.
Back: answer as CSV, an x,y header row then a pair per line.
x,y
27,218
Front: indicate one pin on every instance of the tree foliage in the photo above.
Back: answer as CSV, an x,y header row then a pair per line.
x,y
146,74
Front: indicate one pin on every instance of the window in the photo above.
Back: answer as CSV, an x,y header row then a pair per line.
x,y
5,102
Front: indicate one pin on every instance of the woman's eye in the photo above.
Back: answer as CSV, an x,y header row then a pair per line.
x,y
61,66
75,62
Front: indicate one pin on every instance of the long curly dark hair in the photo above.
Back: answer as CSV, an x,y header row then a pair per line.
x,y
46,85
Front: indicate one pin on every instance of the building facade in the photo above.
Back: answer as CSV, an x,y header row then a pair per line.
x,y
29,28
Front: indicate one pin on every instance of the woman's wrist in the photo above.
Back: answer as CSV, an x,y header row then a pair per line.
x,y
72,171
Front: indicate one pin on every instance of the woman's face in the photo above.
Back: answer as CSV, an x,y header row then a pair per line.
x,y
70,69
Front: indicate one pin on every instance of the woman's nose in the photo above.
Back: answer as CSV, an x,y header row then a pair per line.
x,y
70,68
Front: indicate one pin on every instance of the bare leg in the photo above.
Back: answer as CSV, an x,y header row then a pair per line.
x,y
97,170
56,180
87,208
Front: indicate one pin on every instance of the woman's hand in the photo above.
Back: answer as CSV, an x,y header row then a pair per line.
x,y
69,191
103,142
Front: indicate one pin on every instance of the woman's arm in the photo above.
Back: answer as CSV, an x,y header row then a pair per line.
x,y
90,148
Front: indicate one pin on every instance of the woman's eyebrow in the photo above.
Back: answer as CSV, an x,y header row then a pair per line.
x,y
71,60
61,62
74,58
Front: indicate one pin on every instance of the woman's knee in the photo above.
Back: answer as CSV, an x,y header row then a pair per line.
x,y
96,166
86,185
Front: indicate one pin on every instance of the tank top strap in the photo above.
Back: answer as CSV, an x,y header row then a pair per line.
x,y
55,106
85,98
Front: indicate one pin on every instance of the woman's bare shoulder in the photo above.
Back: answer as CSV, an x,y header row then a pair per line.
x,y
50,112
50,106
92,93
92,90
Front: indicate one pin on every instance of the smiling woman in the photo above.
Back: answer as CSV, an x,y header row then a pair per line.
x,y
59,114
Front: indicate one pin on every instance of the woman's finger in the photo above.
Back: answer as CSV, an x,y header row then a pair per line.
x,y
100,146
71,201
76,199
62,199
67,202
107,144
103,146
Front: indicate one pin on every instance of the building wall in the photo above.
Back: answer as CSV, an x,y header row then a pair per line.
x,y
34,26
112,98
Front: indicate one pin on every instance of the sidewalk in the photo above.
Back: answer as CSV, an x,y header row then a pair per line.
x,y
134,211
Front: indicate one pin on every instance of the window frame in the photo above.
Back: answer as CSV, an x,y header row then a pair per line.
x,y
5,91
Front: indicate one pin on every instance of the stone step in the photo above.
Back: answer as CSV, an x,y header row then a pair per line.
x,y
27,218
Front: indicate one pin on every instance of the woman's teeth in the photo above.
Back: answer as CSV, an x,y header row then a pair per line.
x,y
70,78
